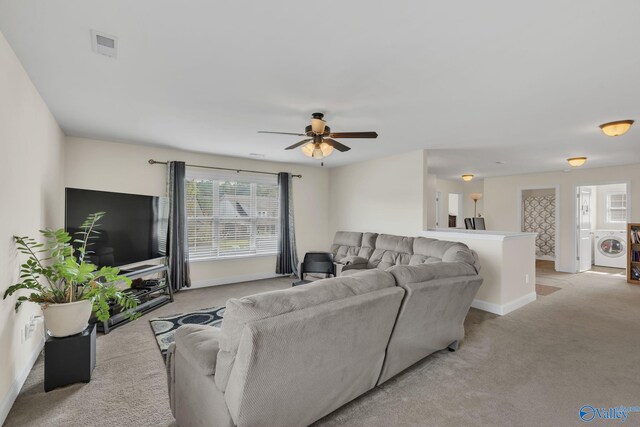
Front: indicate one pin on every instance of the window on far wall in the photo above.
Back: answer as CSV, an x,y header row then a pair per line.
x,y
616,207
230,216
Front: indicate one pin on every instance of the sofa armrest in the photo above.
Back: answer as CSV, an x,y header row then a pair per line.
x,y
199,344
342,269
353,260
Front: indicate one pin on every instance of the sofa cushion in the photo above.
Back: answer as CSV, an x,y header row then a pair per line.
x,y
346,243
368,245
427,250
391,250
241,311
199,344
422,273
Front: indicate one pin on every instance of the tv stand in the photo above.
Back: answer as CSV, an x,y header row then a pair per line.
x,y
150,297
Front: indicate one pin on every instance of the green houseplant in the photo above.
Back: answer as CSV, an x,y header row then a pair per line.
x,y
67,286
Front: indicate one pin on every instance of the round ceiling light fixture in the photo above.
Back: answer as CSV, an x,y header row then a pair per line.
x,y
467,177
616,128
577,161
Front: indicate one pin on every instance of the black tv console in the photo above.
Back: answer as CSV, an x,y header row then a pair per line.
x,y
157,293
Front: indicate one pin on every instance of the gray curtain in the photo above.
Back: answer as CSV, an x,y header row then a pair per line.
x,y
287,262
177,243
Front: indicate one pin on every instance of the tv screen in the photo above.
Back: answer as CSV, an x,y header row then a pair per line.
x,y
133,230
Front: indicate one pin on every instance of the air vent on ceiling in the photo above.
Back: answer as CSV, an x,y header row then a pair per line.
x,y
104,44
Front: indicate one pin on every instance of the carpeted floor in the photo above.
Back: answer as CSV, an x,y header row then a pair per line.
x,y
534,367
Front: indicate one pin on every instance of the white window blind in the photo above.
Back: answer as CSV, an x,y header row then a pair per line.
x,y
616,207
231,215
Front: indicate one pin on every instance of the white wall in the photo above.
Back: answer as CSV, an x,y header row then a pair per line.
x,y
31,146
383,195
501,200
111,166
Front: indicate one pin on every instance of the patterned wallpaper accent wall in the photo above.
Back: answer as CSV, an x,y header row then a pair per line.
x,y
539,215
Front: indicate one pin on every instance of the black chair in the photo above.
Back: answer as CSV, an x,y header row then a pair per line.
x,y
478,224
468,223
316,262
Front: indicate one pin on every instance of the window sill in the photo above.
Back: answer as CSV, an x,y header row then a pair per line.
x,y
231,258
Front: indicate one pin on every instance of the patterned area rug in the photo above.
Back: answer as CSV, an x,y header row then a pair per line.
x,y
165,327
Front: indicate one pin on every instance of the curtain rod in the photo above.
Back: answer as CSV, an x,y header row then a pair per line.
x,y
155,162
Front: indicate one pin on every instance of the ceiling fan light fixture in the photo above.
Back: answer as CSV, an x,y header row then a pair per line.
x,y
467,177
617,128
317,126
577,161
317,151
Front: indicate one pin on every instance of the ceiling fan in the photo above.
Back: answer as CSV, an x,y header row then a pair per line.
x,y
320,142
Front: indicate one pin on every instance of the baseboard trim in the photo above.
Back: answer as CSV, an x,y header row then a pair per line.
x,y
233,279
504,308
14,390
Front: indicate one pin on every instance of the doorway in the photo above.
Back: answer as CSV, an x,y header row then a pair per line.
x,y
538,213
601,224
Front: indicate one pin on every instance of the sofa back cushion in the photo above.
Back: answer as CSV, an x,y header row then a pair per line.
x,y
427,250
243,311
368,245
346,243
391,250
294,368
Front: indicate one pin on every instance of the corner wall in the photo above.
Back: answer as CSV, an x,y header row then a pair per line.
x,y
31,145
384,195
113,166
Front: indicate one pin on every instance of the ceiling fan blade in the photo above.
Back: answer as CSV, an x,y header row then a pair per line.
x,y
354,135
298,144
335,144
283,133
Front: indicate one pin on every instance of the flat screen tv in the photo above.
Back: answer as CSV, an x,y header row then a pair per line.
x,y
133,230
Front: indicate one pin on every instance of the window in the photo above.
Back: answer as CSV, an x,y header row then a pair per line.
x,y
231,215
617,207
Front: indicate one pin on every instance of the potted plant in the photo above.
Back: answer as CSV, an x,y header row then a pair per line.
x,y
65,284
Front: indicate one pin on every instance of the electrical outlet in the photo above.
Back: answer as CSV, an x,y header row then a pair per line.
x,y
526,278
29,328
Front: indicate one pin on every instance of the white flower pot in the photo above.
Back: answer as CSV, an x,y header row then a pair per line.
x,y
67,319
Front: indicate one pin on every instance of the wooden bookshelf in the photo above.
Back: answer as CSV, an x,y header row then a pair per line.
x,y
633,253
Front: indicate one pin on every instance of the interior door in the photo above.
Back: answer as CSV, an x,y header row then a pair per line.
x,y
584,229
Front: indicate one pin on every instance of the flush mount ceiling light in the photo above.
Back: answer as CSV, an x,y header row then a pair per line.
x,y
616,128
467,177
577,161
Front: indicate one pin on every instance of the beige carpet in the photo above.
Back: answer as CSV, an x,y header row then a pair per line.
x,y
533,367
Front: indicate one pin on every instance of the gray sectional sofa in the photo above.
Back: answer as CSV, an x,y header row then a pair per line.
x,y
290,357
354,250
